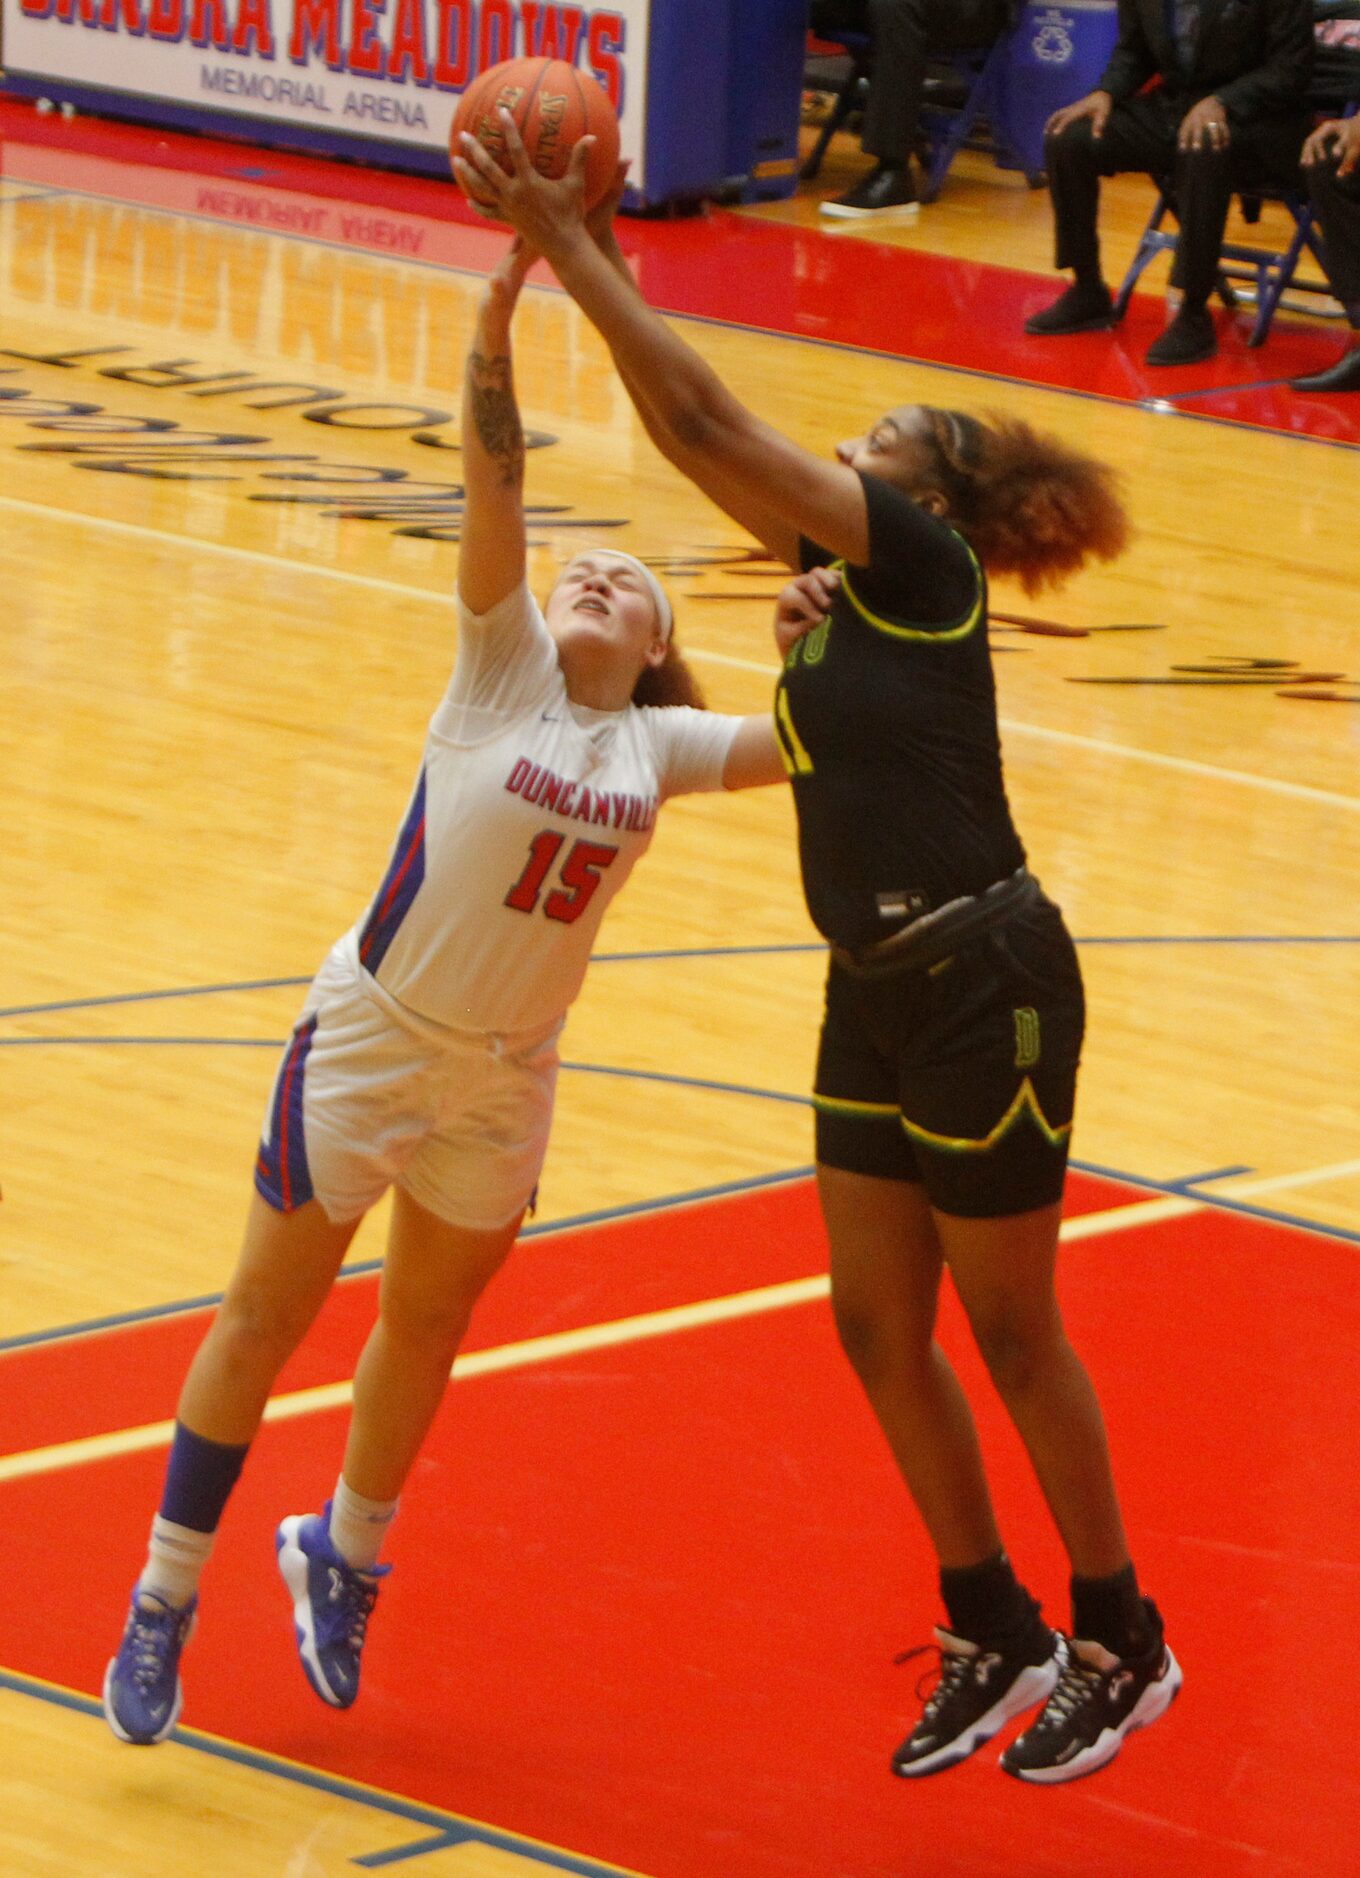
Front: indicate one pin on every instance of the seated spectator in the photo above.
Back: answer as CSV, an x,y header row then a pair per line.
x,y
1331,162
1230,111
904,35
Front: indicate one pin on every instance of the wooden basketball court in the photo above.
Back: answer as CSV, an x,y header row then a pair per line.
x,y
654,1569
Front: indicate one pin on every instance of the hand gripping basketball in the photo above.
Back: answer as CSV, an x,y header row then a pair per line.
x,y
554,108
542,211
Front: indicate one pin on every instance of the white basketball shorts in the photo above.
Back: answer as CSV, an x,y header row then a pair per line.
x,y
369,1096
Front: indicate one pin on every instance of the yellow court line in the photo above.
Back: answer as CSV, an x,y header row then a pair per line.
x,y
1272,785
548,1349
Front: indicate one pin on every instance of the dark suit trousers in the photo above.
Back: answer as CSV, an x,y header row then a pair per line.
x,y
1141,135
1337,201
904,34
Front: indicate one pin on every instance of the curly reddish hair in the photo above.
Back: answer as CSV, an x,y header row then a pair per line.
x,y
671,682
1027,503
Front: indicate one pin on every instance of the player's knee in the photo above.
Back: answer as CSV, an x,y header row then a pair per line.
x,y
874,1342
254,1325
1017,1350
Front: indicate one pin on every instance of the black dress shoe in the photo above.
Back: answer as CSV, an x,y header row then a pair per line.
x,y
884,191
1081,309
1343,376
1189,338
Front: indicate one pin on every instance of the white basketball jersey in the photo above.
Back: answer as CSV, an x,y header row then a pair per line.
x,y
528,815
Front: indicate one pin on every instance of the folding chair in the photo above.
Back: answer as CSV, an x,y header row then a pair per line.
x,y
962,96
1270,271
854,46
963,93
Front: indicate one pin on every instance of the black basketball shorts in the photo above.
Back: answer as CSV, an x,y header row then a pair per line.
x,y
962,1076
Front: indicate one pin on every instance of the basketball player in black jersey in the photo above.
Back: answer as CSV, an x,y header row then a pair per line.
x,y
953,1025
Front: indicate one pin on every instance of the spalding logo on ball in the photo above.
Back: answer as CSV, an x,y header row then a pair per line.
x,y
552,105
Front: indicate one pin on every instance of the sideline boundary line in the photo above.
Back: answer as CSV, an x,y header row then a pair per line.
x,y
670,1321
453,1828
531,1351
363,1268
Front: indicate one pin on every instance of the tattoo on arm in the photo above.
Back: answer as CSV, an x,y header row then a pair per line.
x,y
495,414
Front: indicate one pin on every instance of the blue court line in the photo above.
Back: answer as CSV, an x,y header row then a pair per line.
x,y
689,1082
1158,402
451,1829
1218,1202
362,1268
146,997
277,1043
739,326
216,1043
688,952
1189,1187
1191,1181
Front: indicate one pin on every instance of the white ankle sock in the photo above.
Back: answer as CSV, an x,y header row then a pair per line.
x,y
175,1561
359,1526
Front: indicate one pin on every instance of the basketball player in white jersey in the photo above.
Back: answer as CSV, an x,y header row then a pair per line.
x,y
425,1056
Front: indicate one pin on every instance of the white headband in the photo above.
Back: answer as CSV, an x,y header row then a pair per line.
x,y
660,598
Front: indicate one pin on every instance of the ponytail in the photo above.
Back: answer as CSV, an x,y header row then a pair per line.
x,y
1027,503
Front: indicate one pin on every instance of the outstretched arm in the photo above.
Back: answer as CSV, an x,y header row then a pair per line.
x,y
754,513
762,479
492,555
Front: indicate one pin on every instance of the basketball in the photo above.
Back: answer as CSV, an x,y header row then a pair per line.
x,y
553,106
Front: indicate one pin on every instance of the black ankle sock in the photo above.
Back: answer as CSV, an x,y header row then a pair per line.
x,y
1110,1611
985,1602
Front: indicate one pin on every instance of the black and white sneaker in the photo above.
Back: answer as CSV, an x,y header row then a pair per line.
x,y
978,1692
886,194
1100,1698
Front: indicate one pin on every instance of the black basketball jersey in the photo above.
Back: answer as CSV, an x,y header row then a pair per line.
x,y
887,718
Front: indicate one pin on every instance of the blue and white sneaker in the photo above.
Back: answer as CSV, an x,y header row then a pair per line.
x,y
332,1603
143,1694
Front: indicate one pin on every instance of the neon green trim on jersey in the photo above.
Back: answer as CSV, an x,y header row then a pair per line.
x,y
833,1105
796,759
1025,1102
948,635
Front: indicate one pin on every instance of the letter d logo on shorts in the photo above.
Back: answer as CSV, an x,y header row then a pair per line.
x,y
1026,1036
